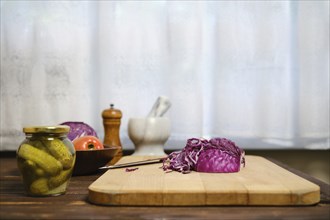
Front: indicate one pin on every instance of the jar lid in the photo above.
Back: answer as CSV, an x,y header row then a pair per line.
x,y
47,129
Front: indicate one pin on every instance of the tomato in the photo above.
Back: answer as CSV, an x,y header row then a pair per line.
x,y
87,143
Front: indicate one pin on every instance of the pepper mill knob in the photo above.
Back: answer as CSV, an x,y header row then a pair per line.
x,y
111,122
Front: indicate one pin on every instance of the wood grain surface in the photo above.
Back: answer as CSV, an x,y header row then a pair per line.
x,y
15,204
261,182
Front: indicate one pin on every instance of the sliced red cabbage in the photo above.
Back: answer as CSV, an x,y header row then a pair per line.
x,y
218,155
79,129
131,169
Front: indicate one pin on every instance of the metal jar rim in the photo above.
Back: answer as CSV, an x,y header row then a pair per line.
x,y
58,129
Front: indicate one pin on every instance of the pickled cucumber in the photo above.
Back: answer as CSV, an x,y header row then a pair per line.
x,y
30,168
58,180
58,190
57,148
26,168
43,160
39,186
38,144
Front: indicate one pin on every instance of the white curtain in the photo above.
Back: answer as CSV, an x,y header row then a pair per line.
x,y
256,72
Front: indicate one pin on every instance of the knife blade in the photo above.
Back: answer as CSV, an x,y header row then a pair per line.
x,y
137,163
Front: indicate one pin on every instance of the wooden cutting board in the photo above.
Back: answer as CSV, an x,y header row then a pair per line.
x,y
260,182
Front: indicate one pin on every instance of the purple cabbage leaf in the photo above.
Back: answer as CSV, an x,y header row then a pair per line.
x,y
217,155
79,129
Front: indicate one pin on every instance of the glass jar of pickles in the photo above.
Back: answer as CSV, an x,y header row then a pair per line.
x,y
46,159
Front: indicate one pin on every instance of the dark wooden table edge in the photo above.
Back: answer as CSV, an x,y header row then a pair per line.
x,y
324,187
92,211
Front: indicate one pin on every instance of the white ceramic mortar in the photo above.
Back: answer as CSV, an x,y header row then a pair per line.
x,y
149,135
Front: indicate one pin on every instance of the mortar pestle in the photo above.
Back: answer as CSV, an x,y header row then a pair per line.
x,y
150,133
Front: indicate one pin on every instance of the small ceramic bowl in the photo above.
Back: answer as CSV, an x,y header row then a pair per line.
x,y
88,161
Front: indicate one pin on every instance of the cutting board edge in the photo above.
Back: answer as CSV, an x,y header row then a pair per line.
x,y
241,199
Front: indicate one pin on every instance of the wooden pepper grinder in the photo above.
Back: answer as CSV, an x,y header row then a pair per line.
x,y
111,122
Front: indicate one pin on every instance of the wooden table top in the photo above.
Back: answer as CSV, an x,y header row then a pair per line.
x,y
15,204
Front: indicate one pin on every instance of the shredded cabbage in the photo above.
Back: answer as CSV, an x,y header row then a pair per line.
x,y
79,129
218,155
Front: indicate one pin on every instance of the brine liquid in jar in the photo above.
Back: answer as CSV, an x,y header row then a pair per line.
x,y
46,159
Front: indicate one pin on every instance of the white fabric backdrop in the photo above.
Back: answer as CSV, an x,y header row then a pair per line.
x,y
256,72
